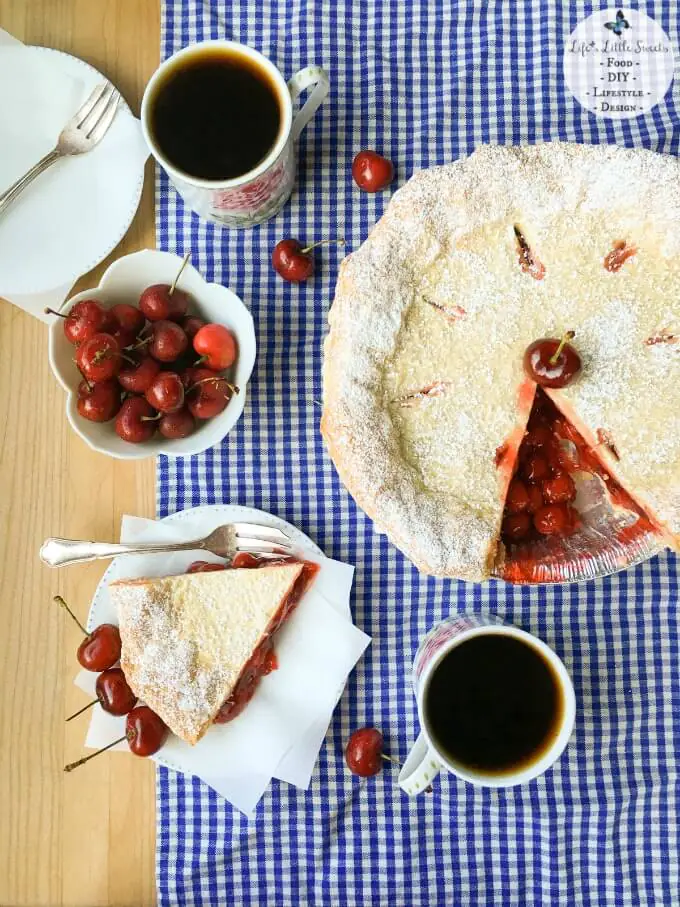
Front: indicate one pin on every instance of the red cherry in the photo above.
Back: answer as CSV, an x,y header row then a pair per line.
x,y
166,392
292,260
535,498
99,358
559,490
168,341
100,649
159,304
553,519
128,317
137,378
98,402
363,753
109,324
114,693
145,731
135,421
191,325
371,171
516,526
177,425
517,498
536,469
208,395
216,345
204,567
84,320
551,362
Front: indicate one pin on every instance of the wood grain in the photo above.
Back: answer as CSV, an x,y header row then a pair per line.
x,y
86,838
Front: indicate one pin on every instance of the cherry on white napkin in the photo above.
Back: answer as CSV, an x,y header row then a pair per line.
x,y
281,731
73,214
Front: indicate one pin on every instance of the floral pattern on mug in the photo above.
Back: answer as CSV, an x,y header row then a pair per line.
x,y
252,196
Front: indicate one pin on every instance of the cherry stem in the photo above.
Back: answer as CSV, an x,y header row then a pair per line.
x,y
232,387
49,311
322,242
72,765
151,418
129,359
389,758
60,601
84,709
563,342
182,267
140,343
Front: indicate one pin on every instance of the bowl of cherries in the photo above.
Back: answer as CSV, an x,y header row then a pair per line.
x,y
154,360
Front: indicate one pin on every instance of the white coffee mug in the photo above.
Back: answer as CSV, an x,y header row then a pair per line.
x,y
259,194
426,760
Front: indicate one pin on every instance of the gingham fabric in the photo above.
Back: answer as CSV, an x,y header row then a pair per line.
x,y
422,81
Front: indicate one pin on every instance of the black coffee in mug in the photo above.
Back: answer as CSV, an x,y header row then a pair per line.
x,y
494,705
215,115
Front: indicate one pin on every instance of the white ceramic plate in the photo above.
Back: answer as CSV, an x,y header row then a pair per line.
x,y
78,211
175,751
124,281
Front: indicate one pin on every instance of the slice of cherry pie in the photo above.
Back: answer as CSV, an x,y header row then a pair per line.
x,y
426,401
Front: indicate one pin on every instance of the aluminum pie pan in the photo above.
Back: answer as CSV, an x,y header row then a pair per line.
x,y
610,539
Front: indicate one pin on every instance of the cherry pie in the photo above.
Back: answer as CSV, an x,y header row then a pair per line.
x,y
426,400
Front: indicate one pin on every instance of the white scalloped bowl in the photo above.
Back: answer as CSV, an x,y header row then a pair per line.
x,y
124,281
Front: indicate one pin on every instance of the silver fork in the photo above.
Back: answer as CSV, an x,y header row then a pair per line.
x,y
82,132
225,541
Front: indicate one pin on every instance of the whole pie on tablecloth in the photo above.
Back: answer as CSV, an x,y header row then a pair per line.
x,y
426,402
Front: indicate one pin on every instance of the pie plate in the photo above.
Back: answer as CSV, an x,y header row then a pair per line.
x,y
124,281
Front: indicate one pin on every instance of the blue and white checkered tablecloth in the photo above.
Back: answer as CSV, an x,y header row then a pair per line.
x,y
422,81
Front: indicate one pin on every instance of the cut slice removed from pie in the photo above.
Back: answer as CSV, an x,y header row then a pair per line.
x,y
564,502
195,642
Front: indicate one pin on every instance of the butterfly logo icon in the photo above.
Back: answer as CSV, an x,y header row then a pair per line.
x,y
618,26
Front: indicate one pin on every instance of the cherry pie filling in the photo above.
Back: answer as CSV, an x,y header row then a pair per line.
x,y
263,660
541,495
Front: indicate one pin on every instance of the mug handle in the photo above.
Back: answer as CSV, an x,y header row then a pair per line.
x,y
421,768
306,78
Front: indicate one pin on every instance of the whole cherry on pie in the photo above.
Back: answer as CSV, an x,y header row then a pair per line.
x,y
551,362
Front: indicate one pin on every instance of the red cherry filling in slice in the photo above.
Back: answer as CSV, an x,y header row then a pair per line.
x,y
541,499
263,660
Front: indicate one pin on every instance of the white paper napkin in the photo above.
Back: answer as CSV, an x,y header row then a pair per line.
x,y
73,214
283,727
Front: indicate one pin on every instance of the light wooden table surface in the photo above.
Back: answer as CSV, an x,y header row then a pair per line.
x,y
88,837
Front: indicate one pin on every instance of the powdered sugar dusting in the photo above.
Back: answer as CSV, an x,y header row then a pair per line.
x,y
186,638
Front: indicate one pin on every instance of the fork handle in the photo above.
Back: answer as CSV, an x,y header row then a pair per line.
x,y
62,552
17,188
